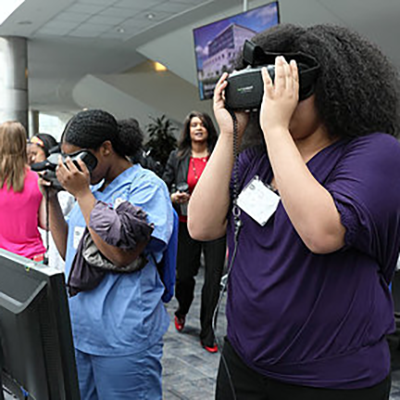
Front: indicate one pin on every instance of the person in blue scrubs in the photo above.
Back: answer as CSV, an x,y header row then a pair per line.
x,y
118,326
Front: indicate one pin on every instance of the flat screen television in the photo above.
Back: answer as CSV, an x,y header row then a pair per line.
x,y
218,44
37,358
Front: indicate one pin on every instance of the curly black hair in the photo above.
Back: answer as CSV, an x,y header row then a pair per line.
x,y
357,90
89,129
130,128
185,143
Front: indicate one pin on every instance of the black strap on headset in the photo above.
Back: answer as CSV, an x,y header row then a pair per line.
x,y
255,56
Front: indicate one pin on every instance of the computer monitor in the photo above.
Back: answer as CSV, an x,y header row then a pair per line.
x,y
38,359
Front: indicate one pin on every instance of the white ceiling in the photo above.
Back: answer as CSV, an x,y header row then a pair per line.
x,y
69,39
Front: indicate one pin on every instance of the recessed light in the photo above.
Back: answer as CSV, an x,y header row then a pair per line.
x,y
150,16
159,67
120,29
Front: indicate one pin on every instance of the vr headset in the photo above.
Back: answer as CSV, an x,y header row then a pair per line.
x,y
245,88
52,161
50,164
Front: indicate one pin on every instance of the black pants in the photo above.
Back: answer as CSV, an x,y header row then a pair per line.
x,y
187,267
250,385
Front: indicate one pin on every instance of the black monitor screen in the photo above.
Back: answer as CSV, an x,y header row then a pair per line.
x,y
218,44
37,360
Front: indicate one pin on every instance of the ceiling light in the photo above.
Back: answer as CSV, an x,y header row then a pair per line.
x,y
7,8
159,67
150,16
120,29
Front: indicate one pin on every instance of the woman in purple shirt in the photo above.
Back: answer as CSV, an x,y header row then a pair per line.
x,y
316,233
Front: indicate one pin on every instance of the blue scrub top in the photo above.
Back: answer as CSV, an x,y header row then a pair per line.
x,y
125,313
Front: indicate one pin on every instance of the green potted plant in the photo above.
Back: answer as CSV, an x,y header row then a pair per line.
x,y
161,138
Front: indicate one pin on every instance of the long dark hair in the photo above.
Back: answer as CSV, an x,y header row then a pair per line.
x,y
357,91
185,143
44,141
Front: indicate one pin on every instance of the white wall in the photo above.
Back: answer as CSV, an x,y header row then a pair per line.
x,y
93,92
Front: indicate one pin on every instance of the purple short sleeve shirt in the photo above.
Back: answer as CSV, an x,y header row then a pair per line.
x,y
321,320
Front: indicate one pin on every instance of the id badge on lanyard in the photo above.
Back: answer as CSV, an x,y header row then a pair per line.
x,y
258,201
78,233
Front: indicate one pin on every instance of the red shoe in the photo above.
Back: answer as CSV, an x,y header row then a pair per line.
x,y
211,349
179,323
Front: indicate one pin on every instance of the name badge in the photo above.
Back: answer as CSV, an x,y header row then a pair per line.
x,y
78,233
118,202
258,201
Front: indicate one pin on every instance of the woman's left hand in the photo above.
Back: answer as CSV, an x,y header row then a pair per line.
x,y
76,181
281,97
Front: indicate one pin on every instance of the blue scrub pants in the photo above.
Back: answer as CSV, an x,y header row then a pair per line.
x,y
134,376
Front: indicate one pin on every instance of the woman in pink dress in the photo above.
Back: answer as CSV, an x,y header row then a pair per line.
x,y
22,208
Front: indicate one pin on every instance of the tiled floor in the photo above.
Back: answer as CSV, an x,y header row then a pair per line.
x,y
190,371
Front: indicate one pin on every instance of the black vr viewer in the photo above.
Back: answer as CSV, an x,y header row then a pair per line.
x,y
50,164
245,88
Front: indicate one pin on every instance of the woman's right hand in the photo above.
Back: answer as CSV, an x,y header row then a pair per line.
x,y
222,115
180,197
73,179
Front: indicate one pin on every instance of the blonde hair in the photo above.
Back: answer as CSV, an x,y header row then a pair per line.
x,y
13,158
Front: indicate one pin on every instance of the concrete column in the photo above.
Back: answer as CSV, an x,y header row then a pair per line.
x,y
14,79
33,122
